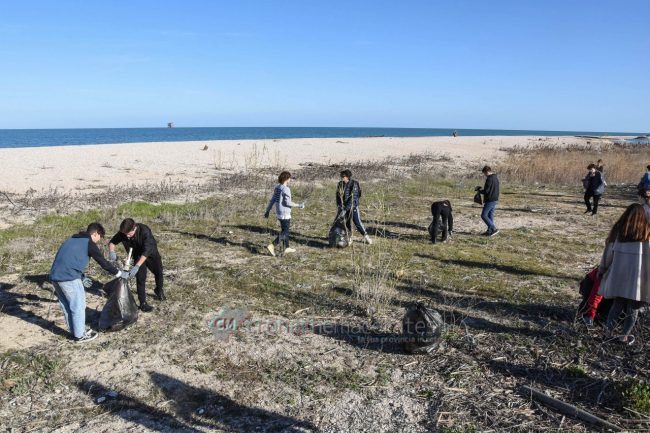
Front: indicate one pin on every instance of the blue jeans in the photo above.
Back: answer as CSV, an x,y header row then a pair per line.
x,y
72,298
488,216
284,233
354,216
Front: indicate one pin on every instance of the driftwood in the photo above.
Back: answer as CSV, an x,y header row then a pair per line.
x,y
568,409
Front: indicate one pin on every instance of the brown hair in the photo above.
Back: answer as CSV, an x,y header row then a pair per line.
x,y
486,169
590,166
127,225
632,226
284,176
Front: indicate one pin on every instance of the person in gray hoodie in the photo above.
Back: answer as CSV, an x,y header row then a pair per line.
x,y
281,199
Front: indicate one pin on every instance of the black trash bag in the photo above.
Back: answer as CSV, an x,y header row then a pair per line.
x,y
477,198
422,328
120,310
338,235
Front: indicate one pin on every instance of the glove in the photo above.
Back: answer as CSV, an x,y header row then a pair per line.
x,y
123,275
87,282
266,214
301,206
112,256
478,188
134,270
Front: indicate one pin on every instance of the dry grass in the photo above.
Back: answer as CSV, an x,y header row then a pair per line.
x,y
508,303
552,165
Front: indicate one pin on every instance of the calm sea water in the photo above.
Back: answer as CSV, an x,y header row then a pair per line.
x,y
63,137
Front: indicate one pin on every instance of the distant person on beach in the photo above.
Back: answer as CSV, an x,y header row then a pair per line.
x,y
145,252
490,192
281,199
348,193
455,133
625,270
66,275
594,186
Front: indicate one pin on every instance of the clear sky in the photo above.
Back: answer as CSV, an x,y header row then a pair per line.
x,y
519,64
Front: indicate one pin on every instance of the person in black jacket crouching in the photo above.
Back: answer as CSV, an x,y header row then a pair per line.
x,y
145,252
490,193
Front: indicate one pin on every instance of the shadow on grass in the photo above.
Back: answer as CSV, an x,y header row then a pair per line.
x,y
299,238
192,409
252,248
528,311
13,304
482,265
389,234
361,337
399,224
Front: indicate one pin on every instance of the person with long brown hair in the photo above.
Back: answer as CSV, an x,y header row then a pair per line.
x,y
625,270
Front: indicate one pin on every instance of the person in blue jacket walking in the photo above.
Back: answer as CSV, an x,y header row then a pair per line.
x,y
66,275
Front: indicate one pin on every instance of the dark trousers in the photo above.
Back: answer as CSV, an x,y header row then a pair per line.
x,y
631,310
284,233
445,223
154,264
591,209
354,216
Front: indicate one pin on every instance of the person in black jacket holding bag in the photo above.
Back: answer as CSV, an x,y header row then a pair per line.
x,y
145,252
594,185
348,193
490,193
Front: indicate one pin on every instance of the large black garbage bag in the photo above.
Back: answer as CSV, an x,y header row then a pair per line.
x,y
338,235
120,310
422,327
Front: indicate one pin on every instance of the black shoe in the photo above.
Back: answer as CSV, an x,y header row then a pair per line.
x,y
588,210
160,294
146,308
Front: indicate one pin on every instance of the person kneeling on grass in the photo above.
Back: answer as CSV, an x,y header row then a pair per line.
x,y
145,252
625,270
66,275
281,199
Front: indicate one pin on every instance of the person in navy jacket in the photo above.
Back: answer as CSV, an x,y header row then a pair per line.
x,y
66,275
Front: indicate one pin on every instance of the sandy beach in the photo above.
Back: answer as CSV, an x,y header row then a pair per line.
x,y
89,167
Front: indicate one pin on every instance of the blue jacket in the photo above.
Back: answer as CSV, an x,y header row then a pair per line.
x,y
645,181
73,256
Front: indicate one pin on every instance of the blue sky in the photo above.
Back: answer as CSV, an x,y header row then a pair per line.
x,y
554,65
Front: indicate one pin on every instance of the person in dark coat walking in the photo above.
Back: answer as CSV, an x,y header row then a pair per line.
x,y
66,275
348,193
490,192
594,185
145,252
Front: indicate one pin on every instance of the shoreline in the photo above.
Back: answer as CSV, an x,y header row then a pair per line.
x,y
97,166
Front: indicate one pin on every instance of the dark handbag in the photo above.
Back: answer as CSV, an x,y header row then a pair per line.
x,y
477,198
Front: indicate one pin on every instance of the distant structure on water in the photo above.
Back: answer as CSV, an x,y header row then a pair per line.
x,y
170,124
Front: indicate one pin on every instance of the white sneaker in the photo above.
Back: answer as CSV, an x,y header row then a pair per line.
x,y
271,249
289,250
90,335
367,240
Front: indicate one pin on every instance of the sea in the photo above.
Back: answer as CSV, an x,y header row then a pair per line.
x,y
66,137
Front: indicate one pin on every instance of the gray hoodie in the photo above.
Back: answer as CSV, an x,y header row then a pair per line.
x,y
281,198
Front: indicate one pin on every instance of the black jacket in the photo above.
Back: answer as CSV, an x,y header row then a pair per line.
x,y
142,242
348,195
490,190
